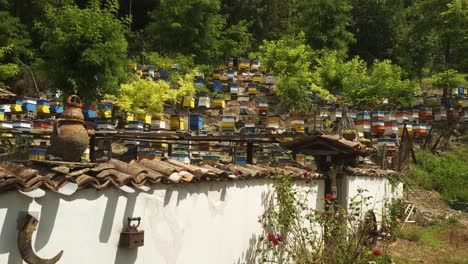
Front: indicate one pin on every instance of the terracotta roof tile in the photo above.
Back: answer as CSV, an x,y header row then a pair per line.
x,y
119,174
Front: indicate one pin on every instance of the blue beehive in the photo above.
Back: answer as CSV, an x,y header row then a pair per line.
x,y
196,122
29,105
241,160
217,86
56,107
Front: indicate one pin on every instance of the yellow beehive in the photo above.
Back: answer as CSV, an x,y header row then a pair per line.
x,y
43,109
144,117
129,117
177,122
257,78
16,108
220,103
252,91
300,158
189,102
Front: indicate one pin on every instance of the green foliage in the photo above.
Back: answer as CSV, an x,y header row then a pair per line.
x,y
147,96
446,174
447,80
14,33
84,49
188,27
7,70
237,40
325,24
384,83
290,59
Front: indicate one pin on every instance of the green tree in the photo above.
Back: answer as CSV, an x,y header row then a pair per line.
x,y
7,70
84,50
325,23
384,83
188,27
237,40
290,59
455,34
447,80
12,31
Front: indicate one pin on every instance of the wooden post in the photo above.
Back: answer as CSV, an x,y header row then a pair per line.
x,y
109,147
169,149
92,148
250,152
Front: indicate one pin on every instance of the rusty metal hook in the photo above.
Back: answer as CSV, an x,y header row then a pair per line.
x,y
130,219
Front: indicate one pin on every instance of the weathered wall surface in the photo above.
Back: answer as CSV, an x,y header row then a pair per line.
x,y
210,222
378,189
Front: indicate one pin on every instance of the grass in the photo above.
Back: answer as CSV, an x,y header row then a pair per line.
x,y
447,173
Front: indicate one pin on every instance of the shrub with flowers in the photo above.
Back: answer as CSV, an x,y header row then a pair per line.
x,y
296,233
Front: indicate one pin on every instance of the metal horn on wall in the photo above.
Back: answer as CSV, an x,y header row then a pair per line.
x,y
25,243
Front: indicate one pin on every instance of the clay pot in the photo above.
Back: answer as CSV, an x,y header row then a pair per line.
x,y
70,138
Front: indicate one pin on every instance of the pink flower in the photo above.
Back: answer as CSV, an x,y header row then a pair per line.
x,y
275,242
328,196
377,252
271,237
279,238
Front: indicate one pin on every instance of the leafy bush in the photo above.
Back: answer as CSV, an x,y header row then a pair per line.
x,y
447,173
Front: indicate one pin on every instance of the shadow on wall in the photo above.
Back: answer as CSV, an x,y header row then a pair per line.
x,y
15,213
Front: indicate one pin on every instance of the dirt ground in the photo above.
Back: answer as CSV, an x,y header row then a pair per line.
x,y
433,238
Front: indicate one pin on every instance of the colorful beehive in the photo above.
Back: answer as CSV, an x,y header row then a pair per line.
x,y
420,130
6,124
419,100
196,122
89,112
378,116
132,66
336,113
103,125
241,160
390,116
22,124
217,86
252,89
439,113
270,78
219,103
431,101
151,71
234,88
284,162
314,125
453,115
297,124
105,110
158,122
216,74
41,124
203,133
255,65
148,153
43,106
228,124
135,126
413,115
90,125
272,122
425,114
391,127
199,83
230,74
189,102
300,158
2,114
37,152
352,114
181,156
402,116
230,62
244,64
56,107
363,116
363,126
257,78
144,117
175,67
378,127
459,102
177,122
204,101
6,107
29,105
17,106
86,154
409,127
389,143
263,108
210,159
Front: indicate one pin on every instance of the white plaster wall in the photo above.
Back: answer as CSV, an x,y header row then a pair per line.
x,y
192,223
377,188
